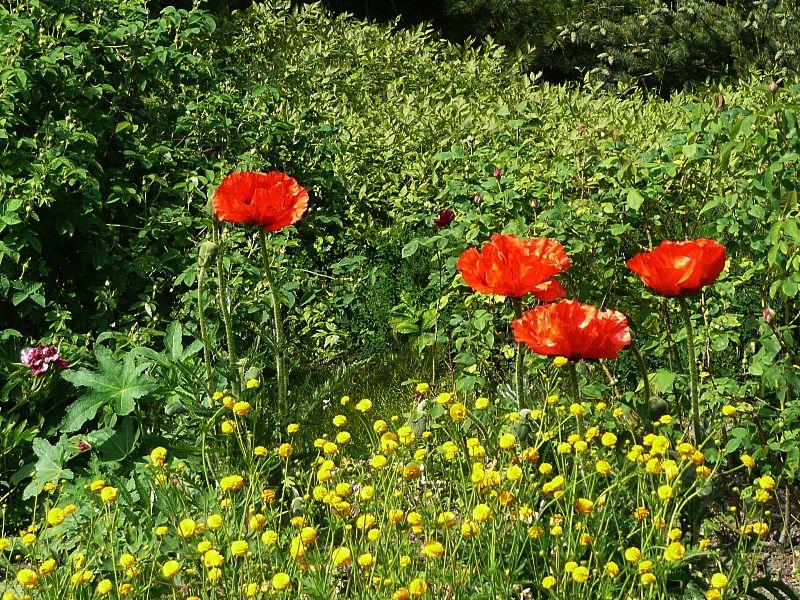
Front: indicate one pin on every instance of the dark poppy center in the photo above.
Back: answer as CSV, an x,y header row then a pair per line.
x,y
248,201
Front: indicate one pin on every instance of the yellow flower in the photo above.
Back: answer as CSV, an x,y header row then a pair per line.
x,y
27,578
674,552
514,473
633,555
577,410
104,587
341,556
280,581
729,411
241,408
170,569
29,539
215,574
187,528
364,405
432,549
612,568
344,400
580,574
343,437
560,361
162,530
481,403
444,398
108,494
422,388
292,428
507,441
285,450
584,506
308,535
55,516
647,579
719,581
48,566
259,451
665,492
608,439
481,513
269,537
239,548
158,456
231,483
252,384
97,485
603,467
228,427
748,461
125,588
766,482
418,587
340,420
458,412
548,582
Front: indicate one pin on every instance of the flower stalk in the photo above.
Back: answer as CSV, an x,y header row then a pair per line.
x,y
226,313
694,375
279,336
208,251
519,374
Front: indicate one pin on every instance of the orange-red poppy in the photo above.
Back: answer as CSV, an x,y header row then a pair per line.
x,y
680,268
510,266
270,200
573,330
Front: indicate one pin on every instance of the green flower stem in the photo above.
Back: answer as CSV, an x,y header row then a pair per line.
x,y
276,311
576,390
226,313
519,374
693,371
201,275
646,391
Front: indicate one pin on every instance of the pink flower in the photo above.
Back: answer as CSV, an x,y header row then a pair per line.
x,y
84,446
40,358
535,203
768,314
444,219
498,172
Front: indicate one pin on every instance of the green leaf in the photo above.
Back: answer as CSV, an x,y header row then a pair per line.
x,y
173,341
634,199
49,465
122,443
115,384
410,248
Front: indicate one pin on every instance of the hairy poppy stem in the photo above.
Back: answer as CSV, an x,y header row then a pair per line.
x,y
226,313
576,390
276,311
201,315
519,374
693,371
647,393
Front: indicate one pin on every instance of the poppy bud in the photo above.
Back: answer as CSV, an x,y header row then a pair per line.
x,y
208,252
657,407
773,88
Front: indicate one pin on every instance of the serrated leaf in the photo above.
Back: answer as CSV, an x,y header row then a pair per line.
x,y
115,384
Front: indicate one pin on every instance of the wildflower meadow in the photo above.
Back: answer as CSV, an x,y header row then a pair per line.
x,y
282,322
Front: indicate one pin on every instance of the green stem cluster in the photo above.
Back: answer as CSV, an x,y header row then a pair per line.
x,y
519,373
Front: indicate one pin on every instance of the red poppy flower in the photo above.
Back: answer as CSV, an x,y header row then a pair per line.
x,y
680,268
573,330
270,200
510,266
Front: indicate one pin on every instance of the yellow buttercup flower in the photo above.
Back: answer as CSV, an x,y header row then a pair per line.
x,y
108,494
719,581
280,581
239,548
27,578
170,569
548,582
104,587
341,556
55,516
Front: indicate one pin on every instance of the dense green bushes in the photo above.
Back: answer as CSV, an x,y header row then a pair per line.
x,y
118,125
